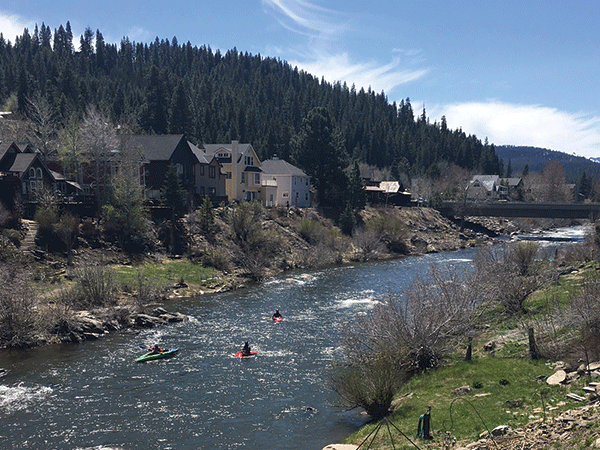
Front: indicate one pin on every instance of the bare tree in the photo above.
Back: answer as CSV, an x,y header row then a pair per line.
x,y
71,152
99,139
507,275
403,335
42,126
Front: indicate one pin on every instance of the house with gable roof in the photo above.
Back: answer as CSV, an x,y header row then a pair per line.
x,y
484,187
284,184
201,174
242,169
27,167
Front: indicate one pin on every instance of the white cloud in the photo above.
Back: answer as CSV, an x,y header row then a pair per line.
x,y
339,67
12,25
528,125
305,18
323,56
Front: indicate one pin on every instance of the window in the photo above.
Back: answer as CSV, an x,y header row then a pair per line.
x,y
249,160
201,171
243,177
212,173
286,194
222,155
38,173
257,178
228,176
31,172
179,168
201,190
212,191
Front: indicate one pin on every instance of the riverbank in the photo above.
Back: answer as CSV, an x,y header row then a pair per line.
x,y
219,258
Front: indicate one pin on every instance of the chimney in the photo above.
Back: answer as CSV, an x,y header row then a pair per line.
x,y
234,170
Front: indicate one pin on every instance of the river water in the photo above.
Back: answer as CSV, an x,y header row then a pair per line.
x,y
93,394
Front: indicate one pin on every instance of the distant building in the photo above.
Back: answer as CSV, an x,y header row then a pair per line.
x,y
284,184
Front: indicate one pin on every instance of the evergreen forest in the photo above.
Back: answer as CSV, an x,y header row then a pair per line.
x,y
168,87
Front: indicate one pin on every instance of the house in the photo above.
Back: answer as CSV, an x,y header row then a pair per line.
x,y
242,169
32,173
201,174
485,188
514,188
284,184
386,192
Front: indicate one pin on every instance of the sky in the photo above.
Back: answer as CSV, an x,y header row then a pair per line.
x,y
524,72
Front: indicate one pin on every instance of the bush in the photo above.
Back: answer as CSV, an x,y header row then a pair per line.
x,y
217,258
369,386
391,231
96,286
18,319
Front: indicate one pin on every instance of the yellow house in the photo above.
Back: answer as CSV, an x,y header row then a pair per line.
x,y
242,169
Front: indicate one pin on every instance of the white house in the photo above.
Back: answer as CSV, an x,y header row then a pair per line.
x,y
284,184
483,187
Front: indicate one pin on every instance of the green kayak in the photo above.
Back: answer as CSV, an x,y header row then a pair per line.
x,y
151,355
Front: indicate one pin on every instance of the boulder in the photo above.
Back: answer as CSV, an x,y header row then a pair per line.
x,y
557,377
146,321
341,447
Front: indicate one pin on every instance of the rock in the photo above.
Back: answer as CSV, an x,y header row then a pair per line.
x,y
557,378
341,447
146,321
174,317
514,403
501,430
463,390
594,366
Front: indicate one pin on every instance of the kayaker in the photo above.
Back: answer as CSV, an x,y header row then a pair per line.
x,y
277,315
156,349
246,349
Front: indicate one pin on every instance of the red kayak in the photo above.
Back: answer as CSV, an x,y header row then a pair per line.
x,y
277,319
239,354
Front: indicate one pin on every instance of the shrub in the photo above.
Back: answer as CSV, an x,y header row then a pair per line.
x,y
217,258
370,386
18,319
391,231
96,286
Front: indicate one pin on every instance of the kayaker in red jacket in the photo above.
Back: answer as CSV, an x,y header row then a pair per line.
x,y
156,349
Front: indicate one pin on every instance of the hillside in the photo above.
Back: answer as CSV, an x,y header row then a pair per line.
x,y
537,158
168,87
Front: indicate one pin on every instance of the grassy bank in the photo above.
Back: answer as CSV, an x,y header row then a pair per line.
x,y
493,381
504,386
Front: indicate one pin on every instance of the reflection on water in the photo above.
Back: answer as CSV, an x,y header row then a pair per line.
x,y
93,394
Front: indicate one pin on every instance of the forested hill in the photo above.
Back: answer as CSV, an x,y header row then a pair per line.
x,y
168,87
536,159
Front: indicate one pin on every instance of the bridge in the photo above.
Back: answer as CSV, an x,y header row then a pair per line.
x,y
529,210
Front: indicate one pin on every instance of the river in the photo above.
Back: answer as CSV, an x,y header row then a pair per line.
x,y
93,394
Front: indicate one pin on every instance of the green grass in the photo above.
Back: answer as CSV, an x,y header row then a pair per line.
x,y
168,273
484,408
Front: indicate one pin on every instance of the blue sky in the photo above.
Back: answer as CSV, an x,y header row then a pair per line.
x,y
516,72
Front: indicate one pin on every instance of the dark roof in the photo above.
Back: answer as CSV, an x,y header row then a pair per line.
x,y
22,162
200,154
155,147
281,167
4,146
